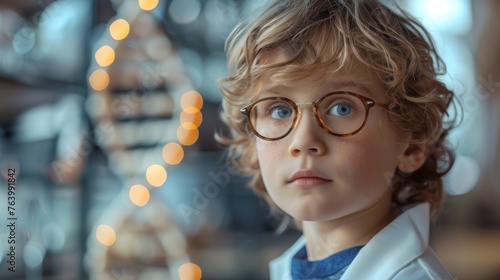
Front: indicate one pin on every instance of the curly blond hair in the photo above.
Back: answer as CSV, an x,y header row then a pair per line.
x,y
320,35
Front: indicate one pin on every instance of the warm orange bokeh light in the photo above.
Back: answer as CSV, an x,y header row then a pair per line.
x,y
105,234
173,153
119,29
191,102
148,5
139,195
99,79
189,126
156,175
191,110
187,137
194,119
189,271
105,56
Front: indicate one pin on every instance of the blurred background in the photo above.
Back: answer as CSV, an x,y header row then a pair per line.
x,y
107,113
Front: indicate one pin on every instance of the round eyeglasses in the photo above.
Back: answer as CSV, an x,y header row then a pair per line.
x,y
338,113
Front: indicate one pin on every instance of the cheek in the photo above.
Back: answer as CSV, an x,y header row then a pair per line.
x,y
380,148
269,154
366,164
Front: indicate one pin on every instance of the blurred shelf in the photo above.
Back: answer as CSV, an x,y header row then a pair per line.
x,y
17,97
469,253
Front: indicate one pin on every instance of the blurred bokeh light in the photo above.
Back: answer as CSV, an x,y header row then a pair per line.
x,y
106,235
119,29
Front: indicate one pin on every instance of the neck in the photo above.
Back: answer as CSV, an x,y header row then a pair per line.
x,y
329,237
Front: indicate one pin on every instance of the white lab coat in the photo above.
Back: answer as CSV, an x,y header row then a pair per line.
x,y
400,251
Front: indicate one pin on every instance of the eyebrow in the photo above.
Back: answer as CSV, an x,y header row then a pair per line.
x,y
330,87
352,84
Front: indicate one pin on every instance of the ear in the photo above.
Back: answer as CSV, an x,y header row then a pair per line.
x,y
413,158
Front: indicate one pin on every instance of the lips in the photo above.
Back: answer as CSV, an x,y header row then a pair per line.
x,y
308,178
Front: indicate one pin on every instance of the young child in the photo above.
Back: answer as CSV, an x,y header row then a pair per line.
x,y
335,110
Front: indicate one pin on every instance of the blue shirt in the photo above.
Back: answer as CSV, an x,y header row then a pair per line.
x,y
330,268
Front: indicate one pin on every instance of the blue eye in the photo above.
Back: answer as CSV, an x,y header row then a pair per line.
x,y
341,110
281,112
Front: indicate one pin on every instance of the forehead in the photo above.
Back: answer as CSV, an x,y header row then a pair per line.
x,y
349,75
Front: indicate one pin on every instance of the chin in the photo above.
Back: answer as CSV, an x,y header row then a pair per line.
x,y
311,215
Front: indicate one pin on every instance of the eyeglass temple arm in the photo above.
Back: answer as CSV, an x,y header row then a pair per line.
x,y
373,103
244,111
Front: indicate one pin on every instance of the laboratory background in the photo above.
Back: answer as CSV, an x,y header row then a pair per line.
x,y
108,110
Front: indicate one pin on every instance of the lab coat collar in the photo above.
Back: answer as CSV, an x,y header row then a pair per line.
x,y
395,246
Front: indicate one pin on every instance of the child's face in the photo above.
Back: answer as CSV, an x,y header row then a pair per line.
x,y
355,171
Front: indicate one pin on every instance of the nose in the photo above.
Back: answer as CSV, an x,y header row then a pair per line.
x,y
308,136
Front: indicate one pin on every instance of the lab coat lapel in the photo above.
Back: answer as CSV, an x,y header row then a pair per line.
x,y
394,247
